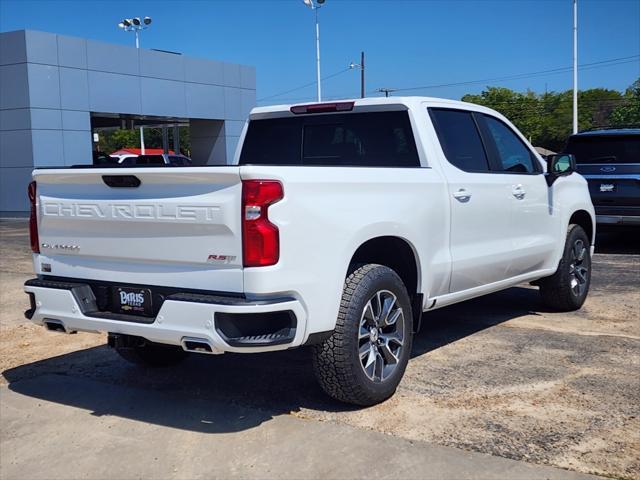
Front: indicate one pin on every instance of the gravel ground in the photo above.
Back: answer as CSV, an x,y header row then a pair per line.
x,y
498,375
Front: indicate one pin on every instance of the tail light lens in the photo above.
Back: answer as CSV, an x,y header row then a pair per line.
x,y
33,219
260,237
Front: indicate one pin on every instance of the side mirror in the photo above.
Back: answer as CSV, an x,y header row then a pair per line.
x,y
558,165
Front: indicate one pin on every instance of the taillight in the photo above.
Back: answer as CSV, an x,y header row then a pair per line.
x,y
33,219
260,237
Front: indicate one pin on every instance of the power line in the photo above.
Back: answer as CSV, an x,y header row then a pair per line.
x,y
600,64
585,66
303,86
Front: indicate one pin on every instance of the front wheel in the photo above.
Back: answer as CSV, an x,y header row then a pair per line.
x,y
365,358
567,289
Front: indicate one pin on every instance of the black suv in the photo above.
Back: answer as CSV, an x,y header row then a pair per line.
x,y
610,161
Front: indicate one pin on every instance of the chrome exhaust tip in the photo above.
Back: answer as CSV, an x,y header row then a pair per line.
x,y
198,345
54,325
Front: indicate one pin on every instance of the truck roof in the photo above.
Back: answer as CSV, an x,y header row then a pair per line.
x,y
373,102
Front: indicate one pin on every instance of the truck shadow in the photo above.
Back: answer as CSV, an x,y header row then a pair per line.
x,y
449,324
231,392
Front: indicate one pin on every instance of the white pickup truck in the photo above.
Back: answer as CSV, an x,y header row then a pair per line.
x,y
337,226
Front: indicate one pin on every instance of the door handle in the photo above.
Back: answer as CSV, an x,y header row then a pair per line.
x,y
518,192
462,195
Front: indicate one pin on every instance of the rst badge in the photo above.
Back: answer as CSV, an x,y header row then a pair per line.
x,y
221,258
607,187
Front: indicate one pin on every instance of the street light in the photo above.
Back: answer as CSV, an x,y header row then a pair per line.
x,y
315,6
135,25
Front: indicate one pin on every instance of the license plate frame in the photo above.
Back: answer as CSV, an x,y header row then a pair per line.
x,y
132,301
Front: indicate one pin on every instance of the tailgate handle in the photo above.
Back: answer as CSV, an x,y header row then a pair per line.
x,y
121,181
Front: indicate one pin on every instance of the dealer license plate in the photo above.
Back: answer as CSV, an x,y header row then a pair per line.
x,y
133,301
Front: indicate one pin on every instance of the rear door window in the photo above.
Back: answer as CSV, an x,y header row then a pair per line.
x,y
460,139
373,139
513,155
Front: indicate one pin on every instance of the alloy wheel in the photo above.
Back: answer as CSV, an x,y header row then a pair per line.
x,y
381,335
578,268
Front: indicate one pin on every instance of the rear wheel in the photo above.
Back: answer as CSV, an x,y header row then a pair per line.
x,y
152,354
567,289
365,358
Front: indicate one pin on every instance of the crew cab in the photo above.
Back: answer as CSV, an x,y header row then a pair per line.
x,y
337,226
609,158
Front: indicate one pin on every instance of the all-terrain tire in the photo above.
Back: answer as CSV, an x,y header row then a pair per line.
x,y
153,354
567,289
337,362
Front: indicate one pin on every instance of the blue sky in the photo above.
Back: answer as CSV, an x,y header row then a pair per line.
x,y
407,43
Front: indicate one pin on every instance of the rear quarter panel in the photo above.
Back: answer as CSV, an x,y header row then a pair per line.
x,y
328,212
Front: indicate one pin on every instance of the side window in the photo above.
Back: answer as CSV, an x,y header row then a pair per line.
x,y
513,154
460,139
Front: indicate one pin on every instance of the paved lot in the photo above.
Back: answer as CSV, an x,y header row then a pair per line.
x,y
497,375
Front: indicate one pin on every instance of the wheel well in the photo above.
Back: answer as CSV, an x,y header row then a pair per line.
x,y
394,253
397,254
582,218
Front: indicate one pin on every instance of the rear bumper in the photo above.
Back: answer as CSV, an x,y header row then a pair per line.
x,y
617,220
181,316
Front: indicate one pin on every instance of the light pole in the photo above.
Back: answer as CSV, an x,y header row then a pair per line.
x,y
361,67
575,66
136,25
315,6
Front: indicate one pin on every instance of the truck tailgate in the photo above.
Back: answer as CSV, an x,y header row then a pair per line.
x,y
180,227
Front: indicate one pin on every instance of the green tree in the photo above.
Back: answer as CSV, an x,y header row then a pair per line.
x,y
547,119
628,113
113,140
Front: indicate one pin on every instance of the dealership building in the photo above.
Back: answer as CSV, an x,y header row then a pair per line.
x,y
58,94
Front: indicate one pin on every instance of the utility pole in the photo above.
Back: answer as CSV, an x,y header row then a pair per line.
x,y
361,74
575,66
386,91
361,67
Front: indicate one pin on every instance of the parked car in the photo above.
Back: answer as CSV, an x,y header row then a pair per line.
x,y
610,161
338,225
157,159
124,156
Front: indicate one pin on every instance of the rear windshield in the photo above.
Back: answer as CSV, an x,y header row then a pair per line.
x,y
605,149
374,139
